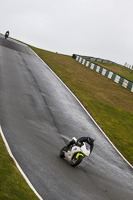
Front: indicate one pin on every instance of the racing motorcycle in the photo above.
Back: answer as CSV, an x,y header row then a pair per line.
x,y
6,35
75,154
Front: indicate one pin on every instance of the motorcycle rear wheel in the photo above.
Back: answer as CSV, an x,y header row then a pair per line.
x,y
62,152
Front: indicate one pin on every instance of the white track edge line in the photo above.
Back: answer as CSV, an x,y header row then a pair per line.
x,y
18,166
85,111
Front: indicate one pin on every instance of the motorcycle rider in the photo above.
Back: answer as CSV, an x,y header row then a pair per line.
x,y
6,34
90,140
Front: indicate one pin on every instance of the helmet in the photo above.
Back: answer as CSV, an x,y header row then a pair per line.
x,y
91,139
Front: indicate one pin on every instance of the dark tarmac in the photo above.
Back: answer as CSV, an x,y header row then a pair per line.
x,y
37,115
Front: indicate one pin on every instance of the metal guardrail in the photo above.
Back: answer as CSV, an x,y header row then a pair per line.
x,y
105,72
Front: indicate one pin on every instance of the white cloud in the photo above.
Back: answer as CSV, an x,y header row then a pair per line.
x,y
101,28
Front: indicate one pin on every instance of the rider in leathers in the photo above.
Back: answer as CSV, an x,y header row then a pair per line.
x,y
6,34
90,140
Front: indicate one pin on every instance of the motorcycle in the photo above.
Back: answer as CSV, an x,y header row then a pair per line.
x,y
75,154
6,35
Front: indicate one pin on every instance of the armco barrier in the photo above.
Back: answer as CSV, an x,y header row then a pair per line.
x,y
94,59
105,72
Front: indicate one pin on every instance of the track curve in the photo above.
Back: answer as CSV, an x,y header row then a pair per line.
x,y
37,114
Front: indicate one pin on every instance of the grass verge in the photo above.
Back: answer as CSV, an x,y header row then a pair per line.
x,y
110,104
121,71
12,185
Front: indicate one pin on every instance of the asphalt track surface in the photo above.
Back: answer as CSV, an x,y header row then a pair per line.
x,y
38,115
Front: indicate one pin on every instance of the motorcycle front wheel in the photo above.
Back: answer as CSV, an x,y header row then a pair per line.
x,y
76,162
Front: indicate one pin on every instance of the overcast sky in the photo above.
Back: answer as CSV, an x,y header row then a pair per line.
x,y
98,28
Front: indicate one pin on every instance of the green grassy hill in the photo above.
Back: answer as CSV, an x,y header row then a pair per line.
x,y
122,71
110,104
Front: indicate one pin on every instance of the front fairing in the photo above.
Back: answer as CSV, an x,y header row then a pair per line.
x,y
76,149
84,150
